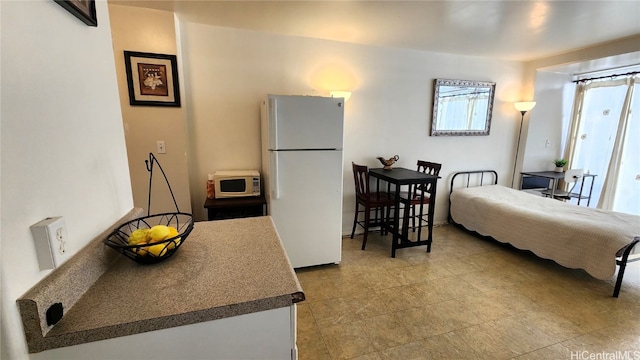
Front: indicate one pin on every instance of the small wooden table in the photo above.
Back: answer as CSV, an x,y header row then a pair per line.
x,y
231,208
399,177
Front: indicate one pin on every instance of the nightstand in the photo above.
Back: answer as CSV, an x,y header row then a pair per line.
x,y
231,208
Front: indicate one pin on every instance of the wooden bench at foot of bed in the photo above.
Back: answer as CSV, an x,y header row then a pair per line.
x,y
575,237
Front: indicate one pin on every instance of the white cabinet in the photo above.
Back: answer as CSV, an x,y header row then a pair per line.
x,y
261,335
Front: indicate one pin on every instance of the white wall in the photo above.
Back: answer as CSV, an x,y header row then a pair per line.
x,y
229,71
548,121
152,31
548,81
63,150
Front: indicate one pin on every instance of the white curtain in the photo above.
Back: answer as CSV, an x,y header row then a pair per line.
x,y
575,122
599,141
611,182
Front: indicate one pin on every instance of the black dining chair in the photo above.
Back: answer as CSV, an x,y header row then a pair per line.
x,y
415,196
378,202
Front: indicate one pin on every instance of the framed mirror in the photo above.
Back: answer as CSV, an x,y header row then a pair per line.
x,y
462,107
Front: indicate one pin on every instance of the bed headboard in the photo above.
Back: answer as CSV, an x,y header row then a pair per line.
x,y
473,178
468,179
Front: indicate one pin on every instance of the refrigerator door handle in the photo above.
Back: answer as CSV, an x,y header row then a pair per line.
x,y
275,181
273,110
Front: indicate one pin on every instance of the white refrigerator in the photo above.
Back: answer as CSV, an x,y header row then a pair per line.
x,y
302,139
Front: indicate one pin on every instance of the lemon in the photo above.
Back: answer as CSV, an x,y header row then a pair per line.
x,y
158,233
174,243
157,250
173,232
138,237
141,251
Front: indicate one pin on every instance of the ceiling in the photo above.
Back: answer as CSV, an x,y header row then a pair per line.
x,y
511,30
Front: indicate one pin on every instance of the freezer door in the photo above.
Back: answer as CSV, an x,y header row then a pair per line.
x,y
307,210
305,122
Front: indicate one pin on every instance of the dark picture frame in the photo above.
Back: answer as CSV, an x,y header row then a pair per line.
x,y
84,10
152,79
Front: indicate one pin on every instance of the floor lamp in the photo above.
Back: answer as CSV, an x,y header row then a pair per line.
x,y
523,107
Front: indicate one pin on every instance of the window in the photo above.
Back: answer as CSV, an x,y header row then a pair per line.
x,y
602,141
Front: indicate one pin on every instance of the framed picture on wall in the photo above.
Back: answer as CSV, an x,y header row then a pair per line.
x,y
84,10
152,79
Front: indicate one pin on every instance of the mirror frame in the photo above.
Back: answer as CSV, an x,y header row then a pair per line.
x,y
462,83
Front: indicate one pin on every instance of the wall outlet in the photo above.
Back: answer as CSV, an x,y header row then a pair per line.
x,y
162,149
50,237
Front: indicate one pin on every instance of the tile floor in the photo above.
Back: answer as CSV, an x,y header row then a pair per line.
x,y
470,298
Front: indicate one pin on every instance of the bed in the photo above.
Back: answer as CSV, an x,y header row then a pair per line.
x,y
573,236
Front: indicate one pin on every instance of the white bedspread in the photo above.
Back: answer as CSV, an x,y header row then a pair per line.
x,y
573,236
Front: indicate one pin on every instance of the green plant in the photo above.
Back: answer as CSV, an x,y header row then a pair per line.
x,y
560,162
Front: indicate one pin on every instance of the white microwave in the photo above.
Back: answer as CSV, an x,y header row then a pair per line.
x,y
236,183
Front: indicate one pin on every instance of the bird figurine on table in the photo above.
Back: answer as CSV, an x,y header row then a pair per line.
x,y
388,162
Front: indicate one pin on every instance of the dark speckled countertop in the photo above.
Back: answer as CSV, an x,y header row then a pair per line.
x,y
224,268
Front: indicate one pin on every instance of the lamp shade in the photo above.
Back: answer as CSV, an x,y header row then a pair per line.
x,y
524,105
341,94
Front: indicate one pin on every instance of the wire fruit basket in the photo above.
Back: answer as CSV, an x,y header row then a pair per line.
x,y
152,238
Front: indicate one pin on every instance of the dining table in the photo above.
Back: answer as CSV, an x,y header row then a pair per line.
x,y
411,180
